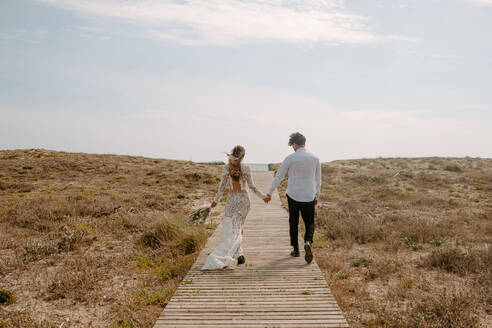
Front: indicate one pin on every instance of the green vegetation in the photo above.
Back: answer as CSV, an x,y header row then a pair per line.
x,y
436,242
361,262
410,242
6,297
176,233
341,275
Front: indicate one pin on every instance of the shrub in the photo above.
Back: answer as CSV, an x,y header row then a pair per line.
x,y
410,242
341,275
453,168
363,179
149,239
212,163
175,268
35,250
444,311
327,169
76,279
129,316
6,297
421,230
37,211
160,297
436,242
361,262
122,324
350,225
458,261
381,269
23,319
193,176
175,232
16,187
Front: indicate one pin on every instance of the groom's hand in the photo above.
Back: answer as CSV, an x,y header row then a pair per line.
x,y
267,198
315,202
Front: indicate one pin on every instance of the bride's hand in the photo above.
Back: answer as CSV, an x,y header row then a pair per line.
x,y
213,204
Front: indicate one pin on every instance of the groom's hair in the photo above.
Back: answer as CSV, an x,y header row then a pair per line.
x,y
297,138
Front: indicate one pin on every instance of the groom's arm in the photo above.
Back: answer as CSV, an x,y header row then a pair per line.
x,y
317,177
282,170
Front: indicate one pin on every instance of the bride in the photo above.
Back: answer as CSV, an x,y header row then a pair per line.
x,y
235,175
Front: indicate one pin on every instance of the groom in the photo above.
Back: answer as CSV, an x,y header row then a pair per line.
x,y
304,172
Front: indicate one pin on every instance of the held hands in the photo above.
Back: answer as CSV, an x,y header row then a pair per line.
x,y
213,204
267,198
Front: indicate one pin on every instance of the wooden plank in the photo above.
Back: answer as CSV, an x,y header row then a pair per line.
x,y
271,290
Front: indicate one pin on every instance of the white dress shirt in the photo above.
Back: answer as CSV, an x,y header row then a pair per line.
x,y
304,170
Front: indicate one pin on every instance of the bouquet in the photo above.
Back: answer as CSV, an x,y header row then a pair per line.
x,y
200,215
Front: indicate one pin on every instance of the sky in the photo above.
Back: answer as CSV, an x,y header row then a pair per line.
x,y
190,79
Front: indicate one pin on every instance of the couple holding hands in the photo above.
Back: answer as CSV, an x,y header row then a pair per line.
x,y
304,174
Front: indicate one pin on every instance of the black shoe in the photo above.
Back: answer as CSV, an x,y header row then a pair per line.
x,y
241,260
295,253
308,256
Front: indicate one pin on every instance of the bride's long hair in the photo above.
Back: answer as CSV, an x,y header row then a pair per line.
x,y
235,158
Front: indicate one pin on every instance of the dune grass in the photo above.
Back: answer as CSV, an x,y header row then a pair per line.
x,y
408,242
98,239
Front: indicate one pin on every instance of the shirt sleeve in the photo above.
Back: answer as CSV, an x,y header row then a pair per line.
x,y
282,170
251,183
317,177
223,183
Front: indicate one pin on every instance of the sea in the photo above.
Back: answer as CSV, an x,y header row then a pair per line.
x,y
259,166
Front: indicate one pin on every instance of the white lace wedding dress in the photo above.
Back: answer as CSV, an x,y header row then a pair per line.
x,y
236,209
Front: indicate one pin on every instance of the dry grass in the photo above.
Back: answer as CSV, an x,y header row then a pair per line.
x,y
460,262
408,242
100,240
96,240
183,238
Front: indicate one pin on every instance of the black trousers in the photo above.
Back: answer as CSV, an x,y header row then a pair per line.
x,y
307,212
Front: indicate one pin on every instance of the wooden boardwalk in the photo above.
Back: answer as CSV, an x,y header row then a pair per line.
x,y
272,289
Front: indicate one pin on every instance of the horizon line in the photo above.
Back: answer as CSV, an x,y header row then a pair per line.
x,y
267,162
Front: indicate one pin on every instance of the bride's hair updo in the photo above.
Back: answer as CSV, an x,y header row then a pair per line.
x,y
235,158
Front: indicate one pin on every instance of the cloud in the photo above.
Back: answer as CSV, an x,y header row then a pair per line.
x,y
482,2
200,119
33,36
38,35
225,22
6,36
41,34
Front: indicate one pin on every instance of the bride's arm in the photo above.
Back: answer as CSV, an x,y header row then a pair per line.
x,y
251,184
223,184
